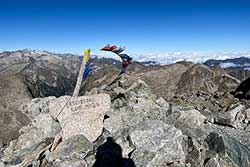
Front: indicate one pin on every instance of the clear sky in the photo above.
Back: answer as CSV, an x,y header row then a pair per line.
x,y
142,25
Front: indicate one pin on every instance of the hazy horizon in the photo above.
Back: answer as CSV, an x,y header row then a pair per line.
x,y
162,57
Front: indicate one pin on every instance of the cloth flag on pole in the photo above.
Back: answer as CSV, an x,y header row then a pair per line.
x,y
86,55
113,48
87,70
87,64
126,60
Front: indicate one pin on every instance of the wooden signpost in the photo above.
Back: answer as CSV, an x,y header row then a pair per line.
x,y
80,75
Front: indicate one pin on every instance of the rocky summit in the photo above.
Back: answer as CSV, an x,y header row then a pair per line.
x,y
179,115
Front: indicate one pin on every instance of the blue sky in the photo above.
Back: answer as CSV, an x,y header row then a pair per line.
x,y
144,26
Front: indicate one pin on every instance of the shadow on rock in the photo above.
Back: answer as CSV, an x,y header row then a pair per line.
x,y
110,155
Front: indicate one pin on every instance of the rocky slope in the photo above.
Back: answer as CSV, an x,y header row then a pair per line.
x,y
13,93
178,115
237,67
44,73
140,129
50,74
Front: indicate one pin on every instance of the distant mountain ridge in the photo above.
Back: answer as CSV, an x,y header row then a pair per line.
x,y
53,74
234,62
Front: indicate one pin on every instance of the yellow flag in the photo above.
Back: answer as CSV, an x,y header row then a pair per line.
x,y
86,55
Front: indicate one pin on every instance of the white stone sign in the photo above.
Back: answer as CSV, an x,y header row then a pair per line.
x,y
81,115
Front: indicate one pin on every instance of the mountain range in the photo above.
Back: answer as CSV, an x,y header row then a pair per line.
x,y
185,107
174,115
243,62
50,74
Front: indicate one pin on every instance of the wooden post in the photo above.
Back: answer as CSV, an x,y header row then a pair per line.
x,y
80,75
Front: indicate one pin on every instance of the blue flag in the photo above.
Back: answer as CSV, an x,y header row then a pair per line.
x,y
87,70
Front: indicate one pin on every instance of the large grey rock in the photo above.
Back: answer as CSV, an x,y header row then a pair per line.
x,y
231,151
36,107
132,105
34,138
74,148
191,123
81,115
24,157
223,119
233,117
157,144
